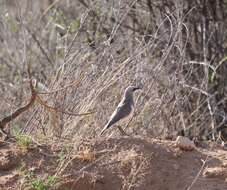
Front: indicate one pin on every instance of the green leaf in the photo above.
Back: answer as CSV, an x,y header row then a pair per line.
x,y
74,26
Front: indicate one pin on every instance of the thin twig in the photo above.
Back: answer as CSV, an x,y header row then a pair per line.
x,y
22,109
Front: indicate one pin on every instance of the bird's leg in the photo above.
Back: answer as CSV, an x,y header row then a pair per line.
x,y
4,135
130,117
121,130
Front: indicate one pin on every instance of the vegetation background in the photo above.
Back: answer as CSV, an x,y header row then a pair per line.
x,y
85,53
64,65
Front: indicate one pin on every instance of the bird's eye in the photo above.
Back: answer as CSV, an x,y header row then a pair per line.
x,y
136,88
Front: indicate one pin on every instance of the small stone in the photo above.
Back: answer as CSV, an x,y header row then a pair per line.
x,y
214,172
184,143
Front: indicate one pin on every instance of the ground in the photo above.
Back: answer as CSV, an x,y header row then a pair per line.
x,y
111,163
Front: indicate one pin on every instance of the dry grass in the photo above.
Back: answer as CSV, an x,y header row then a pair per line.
x,y
83,54
127,156
80,73
133,168
85,155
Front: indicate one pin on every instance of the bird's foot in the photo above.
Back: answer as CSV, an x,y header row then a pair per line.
x,y
4,135
122,131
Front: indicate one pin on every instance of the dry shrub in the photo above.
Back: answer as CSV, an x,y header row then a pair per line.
x,y
86,154
133,167
126,157
86,55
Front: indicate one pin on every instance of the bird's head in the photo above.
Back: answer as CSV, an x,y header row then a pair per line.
x,y
129,90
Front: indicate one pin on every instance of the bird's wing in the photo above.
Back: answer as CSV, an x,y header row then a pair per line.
x,y
121,112
123,109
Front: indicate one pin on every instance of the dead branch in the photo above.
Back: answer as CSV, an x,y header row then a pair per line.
x,y
74,83
54,109
22,109
39,45
35,97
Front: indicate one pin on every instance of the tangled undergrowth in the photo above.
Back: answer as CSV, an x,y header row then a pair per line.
x,y
65,64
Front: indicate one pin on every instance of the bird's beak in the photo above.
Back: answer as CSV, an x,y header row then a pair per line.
x,y
137,88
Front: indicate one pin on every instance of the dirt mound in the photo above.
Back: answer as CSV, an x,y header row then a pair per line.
x,y
115,163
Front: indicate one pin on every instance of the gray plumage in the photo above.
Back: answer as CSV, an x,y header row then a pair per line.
x,y
124,108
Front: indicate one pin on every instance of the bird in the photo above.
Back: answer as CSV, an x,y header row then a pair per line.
x,y
123,110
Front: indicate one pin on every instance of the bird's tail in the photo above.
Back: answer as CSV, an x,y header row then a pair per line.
x,y
105,128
